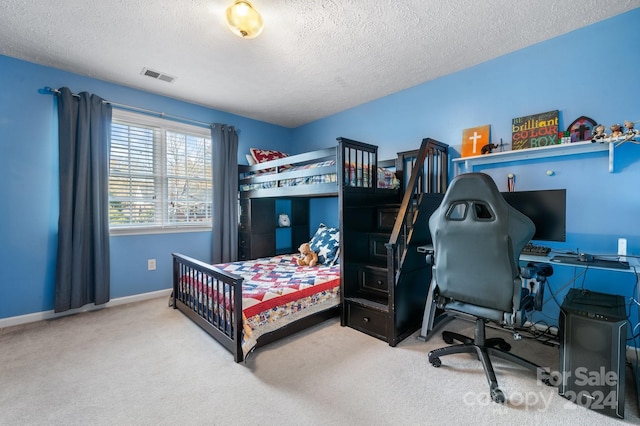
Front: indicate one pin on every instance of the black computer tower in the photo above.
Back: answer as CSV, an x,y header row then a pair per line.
x,y
593,331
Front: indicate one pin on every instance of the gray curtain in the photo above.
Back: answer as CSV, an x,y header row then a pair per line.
x,y
224,141
82,268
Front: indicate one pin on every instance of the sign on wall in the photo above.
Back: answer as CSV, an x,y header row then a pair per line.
x,y
534,131
474,139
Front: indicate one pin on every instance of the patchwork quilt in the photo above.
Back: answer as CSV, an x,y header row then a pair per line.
x,y
275,292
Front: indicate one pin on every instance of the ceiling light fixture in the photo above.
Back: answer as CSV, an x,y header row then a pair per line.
x,y
243,19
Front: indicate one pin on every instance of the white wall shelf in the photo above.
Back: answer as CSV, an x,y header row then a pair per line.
x,y
467,164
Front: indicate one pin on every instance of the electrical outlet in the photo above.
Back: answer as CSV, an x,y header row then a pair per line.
x,y
622,248
151,264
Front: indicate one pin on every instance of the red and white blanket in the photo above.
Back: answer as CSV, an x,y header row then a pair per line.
x,y
276,291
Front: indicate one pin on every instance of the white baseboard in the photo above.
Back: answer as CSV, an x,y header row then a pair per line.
x,y
47,315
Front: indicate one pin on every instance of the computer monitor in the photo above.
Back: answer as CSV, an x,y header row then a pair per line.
x,y
546,209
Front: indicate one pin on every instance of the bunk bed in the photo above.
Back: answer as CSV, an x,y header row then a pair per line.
x,y
350,166
216,296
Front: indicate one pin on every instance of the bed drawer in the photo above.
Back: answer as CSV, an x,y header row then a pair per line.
x,y
367,320
387,218
377,248
373,280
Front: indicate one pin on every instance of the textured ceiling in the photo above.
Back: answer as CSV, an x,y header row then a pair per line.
x,y
313,59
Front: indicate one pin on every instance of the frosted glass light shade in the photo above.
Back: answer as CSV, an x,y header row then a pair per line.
x,y
243,19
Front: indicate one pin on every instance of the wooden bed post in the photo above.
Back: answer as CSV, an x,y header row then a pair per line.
x,y
176,277
340,166
237,321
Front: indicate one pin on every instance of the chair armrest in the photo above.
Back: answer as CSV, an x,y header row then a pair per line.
x,y
428,251
540,271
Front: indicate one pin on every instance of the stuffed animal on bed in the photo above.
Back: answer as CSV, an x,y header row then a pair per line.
x,y
307,256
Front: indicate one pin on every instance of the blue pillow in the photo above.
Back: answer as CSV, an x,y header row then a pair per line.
x,y
326,244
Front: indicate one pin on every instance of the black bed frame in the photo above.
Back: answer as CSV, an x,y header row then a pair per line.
x,y
226,328
217,326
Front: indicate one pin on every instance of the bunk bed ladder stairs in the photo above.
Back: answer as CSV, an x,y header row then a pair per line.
x,y
408,276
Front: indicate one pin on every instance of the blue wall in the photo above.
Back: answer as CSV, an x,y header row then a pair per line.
x,y
29,172
591,71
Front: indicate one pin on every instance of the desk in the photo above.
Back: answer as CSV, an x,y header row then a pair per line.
x,y
634,263
434,318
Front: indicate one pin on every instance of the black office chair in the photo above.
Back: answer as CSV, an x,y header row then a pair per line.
x,y
477,239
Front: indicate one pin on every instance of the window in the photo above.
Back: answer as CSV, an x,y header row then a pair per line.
x,y
159,174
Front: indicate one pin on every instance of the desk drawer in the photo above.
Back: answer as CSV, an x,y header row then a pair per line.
x,y
367,320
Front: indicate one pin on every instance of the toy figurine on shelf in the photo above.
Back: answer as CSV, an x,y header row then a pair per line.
x,y
630,126
598,134
618,133
616,130
488,148
632,132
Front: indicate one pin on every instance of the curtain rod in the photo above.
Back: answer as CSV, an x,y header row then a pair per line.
x,y
52,91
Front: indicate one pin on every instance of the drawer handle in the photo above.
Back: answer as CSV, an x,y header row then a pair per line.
x,y
380,282
365,319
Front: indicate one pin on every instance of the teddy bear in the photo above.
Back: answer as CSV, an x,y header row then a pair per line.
x,y
307,256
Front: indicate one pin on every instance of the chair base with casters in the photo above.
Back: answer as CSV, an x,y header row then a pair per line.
x,y
484,348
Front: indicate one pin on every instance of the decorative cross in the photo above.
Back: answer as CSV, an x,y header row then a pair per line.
x,y
475,138
581,130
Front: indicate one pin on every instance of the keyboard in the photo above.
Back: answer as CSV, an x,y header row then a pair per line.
x,y
535,250
598,263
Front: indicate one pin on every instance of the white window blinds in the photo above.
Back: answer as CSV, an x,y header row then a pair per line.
x,y
160,173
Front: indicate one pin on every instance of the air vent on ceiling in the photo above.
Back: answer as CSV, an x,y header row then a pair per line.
x,y
157,75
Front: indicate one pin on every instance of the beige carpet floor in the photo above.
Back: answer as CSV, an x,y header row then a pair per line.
x,y
146,364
